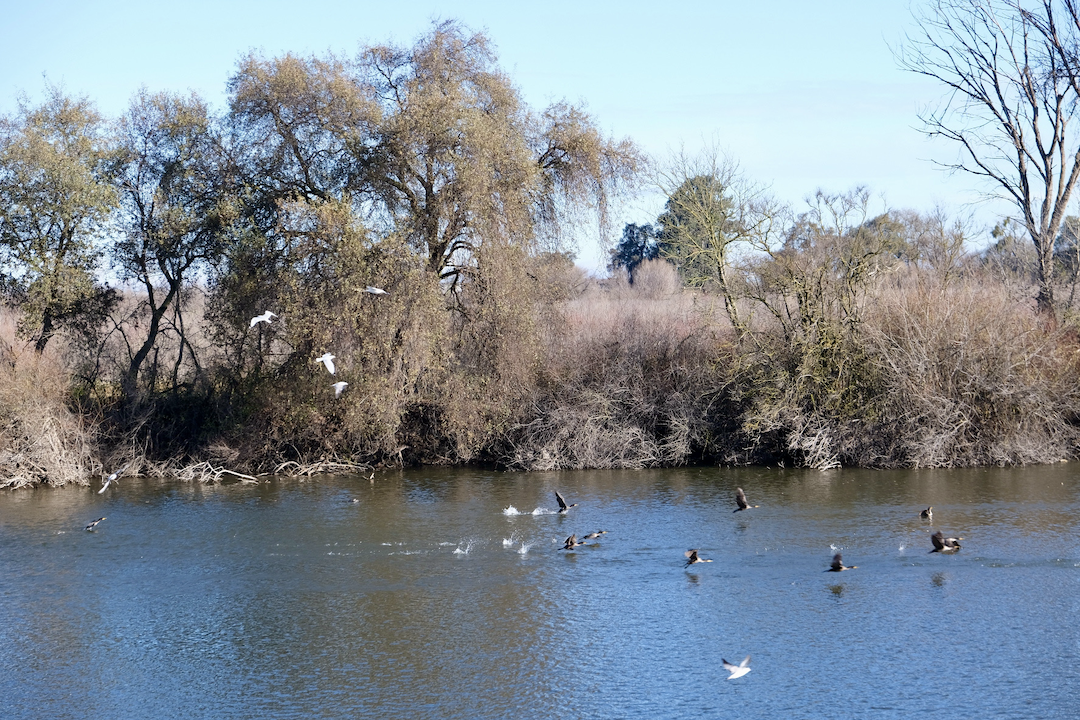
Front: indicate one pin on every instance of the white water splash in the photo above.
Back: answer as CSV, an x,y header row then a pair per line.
x,y
902,547
463,549
543,511
511,510
524,548
834,548
510,541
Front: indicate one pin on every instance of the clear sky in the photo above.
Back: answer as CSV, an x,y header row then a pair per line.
x,y
804,95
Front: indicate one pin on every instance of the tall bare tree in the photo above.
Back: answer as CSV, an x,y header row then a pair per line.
x,y
1013,82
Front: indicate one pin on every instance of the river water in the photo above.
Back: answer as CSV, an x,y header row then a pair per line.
x,y
439,593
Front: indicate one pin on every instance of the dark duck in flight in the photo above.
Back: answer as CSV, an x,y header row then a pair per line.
x,y
563,507
944,544
740,500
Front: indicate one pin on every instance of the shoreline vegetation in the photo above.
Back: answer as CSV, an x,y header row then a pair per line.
x,y
137,252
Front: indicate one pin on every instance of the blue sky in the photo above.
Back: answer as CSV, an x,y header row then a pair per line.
x,y
803,95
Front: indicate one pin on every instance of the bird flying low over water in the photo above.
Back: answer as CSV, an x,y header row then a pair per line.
x,y
572,542
944,544
265,317
594,535
109,480
928,513
563,507
737,671
339,387
838,564
94,524
372,290
692,558
740,500
328,360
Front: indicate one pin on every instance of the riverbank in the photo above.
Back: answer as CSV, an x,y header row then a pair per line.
x,y
606,375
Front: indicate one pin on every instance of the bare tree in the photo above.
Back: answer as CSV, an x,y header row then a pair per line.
x,y
1013,85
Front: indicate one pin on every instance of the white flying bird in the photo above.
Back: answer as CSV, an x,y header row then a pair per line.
x,y
338,387
328,360
737,671
265,317
375,291
109,479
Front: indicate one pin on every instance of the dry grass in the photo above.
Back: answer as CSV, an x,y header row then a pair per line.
x,y
630,380
973,378
41,440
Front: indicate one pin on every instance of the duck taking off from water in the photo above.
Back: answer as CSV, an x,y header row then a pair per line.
x,y
692,558
572,542
838,564
563,507
94,524
944,544
594,535
928,513
740,500
737,671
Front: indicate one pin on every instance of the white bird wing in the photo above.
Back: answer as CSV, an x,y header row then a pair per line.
x,y
737,670
330,365
105,486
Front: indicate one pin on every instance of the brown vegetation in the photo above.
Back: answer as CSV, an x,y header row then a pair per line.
x,y
739,332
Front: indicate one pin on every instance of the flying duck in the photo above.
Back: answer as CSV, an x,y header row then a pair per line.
x,y
572,542
94,524
594,535
944,544
563,507
692,558
740,500
838,564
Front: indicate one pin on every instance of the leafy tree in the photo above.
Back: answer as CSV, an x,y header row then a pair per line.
x,y
431,143
55,204
710,211
175,208
638,244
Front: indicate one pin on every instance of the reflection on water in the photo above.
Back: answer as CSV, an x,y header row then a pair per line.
x,y
446,594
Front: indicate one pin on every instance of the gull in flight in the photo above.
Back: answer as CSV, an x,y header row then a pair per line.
x,y
109,480
371,289
265,317
737,671
740,500
944,544
328,360
563,507
692,558
838,564
94,524
339,387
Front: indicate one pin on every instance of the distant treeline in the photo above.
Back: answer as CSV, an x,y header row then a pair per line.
x,y
734,329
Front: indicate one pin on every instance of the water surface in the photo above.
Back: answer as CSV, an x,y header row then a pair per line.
x,y
443,594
